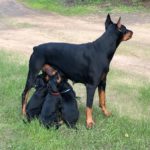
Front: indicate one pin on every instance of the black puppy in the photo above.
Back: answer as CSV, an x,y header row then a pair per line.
x,y
69,107
34,106
86,63
36,101
50,110
60,103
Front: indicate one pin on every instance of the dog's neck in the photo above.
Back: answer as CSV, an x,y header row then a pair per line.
x,y
108,47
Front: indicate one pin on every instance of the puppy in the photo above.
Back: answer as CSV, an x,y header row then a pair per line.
x,y
50,110
60,103
69,107
34,106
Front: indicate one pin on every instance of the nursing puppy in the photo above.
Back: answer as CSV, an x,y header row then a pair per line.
x,y
69,108
60,103
34,106
36,101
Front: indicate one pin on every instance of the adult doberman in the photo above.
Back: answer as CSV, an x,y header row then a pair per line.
x,y
85,63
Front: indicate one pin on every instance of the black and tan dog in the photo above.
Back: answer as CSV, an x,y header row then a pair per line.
x,y
82,63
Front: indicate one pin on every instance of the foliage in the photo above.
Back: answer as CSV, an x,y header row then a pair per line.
x,y
81,7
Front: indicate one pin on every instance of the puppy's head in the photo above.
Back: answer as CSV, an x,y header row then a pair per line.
x,y
54,82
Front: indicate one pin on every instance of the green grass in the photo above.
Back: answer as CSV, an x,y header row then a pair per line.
x,y
128,129
54,6
144,95
97,6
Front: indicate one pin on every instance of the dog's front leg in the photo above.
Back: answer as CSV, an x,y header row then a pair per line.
x,y
102,97
90,94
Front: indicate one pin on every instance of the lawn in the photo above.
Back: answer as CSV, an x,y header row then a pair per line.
x,y
93,6
127,129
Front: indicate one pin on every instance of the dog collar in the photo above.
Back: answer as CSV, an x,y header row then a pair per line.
x,y
55,93
65,91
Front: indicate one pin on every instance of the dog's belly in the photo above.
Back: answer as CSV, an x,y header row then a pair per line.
x,y
77,73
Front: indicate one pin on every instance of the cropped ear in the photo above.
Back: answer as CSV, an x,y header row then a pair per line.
x,y
119,23
108,21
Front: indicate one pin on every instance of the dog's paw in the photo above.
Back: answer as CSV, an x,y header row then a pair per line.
x,y
90,124
107,114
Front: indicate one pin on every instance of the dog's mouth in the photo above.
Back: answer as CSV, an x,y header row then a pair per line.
x,y
130,35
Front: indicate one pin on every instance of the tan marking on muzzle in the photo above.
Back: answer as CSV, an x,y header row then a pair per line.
x,y
127,36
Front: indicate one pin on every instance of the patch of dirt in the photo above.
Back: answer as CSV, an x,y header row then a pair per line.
x,y
132,64
13,8
22,28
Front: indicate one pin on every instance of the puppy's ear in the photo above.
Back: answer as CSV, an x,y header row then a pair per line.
x,y
119,23
108,21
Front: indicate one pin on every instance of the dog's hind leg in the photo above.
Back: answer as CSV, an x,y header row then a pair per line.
x,y
35,65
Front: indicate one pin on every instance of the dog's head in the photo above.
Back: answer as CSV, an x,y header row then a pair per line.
x,y
40,81
54,82
125,33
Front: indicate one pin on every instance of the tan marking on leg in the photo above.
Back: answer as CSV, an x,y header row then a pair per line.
x,y
25,103
102,102
89,119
